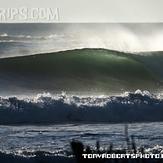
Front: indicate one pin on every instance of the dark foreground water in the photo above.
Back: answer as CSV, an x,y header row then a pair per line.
x,y
56,138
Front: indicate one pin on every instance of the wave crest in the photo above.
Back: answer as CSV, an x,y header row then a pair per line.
x,y
81,70
45,108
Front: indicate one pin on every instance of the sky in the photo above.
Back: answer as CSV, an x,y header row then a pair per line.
x,y
97,10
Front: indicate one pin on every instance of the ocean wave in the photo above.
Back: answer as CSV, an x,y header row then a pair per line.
x,y
3,35
82,70
45,108
30,37
6,41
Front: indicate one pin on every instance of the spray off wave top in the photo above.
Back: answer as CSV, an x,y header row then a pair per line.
x,y
45,108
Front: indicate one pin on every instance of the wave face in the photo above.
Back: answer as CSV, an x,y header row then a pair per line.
x,y
82,70
44,108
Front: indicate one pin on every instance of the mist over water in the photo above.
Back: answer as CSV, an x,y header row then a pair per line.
x,y
26,39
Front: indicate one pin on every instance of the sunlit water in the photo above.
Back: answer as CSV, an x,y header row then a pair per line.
x,y
57,138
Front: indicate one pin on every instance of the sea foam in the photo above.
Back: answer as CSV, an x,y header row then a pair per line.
x,y
46,108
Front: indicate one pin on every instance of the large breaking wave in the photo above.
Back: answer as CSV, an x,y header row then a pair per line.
x,y
45,108
82,70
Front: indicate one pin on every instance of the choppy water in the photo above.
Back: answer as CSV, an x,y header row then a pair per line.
x,y
139,106
56,138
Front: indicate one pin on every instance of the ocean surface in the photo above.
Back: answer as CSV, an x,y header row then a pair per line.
x,y
55,139
139,106
60,82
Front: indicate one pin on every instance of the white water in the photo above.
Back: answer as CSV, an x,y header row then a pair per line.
x,y
44,108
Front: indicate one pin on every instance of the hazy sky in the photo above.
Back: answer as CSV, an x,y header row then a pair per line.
x,y
98,10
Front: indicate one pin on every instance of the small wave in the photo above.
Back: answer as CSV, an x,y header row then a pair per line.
x,y
51,36
45,108
6,41
3,35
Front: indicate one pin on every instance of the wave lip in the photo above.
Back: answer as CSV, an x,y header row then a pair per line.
x,y
44,108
